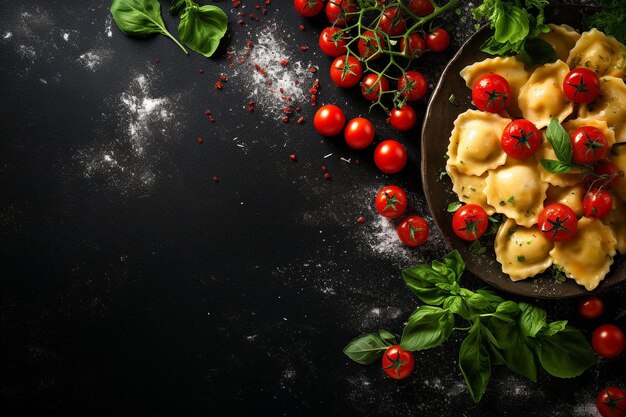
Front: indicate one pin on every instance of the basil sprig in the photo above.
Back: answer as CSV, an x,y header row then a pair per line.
x,y
562,145
500,332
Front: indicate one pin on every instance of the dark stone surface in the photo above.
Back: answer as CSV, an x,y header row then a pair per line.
x,y
132,284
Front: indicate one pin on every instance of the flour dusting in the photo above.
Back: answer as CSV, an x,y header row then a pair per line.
x,y
7,35
107,27
93,59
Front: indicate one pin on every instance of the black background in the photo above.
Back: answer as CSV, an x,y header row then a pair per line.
x,y
170,294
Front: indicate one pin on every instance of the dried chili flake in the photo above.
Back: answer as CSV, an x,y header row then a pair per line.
x,y
219,85
246,52
200,71
304,48
282,90
241,14
301,120
284,62
200,140
223,77
215,179
264,11
292,157
242,60
259,69
285,119
301,27
250,44
211,119
236,3
251,105
229,57
324,168
207,112
268,1
327,176
298,109
360,220
312,70
240,21
257,7
287,110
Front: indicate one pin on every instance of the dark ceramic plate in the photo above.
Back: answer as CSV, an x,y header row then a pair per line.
x,y
439,122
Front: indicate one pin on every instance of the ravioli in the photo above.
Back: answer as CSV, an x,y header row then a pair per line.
x,y
618,157
601,125
523,252
470,188
561,38
617,221
588,256
600,53
610,106
572,196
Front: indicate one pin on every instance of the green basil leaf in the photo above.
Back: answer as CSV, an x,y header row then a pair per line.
x,y
507,333
427,328
554,327
492,297
507,311
369,347
520,359
475,363
566,354
560,141
477,301
555,167
422,280
511,23
176,6
453,207
457,305
532,319
455,262
140,18
537,52
202,27
444,271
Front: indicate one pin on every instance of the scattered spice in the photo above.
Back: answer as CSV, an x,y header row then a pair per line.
x,y
200,140
284,62
312,70
360,220
301,120
292,157
211,119
207,112
304,48
301,27
223,77
250,44
200,71
285,119
251,105
219,85
324,169
236,3
327,176
216,180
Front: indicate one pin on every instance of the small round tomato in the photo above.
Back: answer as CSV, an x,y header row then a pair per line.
x,y
608,341
597,203
589,145
491,93
338,11
359,133
403,118
391,202
412,85
591,307
398,363
333,43
308,8
346,73
605,174
611,402
392,22
581,85
438,40
371,89
520,139
413,231
558,222
415,46
470,222
368,46
329,120
421,7
390,156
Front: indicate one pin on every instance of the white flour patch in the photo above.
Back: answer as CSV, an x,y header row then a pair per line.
x,y
7,35
585,410
93,59
107,27
66,37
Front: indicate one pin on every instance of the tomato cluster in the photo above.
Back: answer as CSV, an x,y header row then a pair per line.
x,y
391,202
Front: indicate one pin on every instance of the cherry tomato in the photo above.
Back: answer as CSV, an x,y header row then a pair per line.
x,y
359,133
520,139
421,7
403,118
589,145
329,120
470,222
611,402
591,307
414,47
605,175
308,8
332,43
581,85
346,73
491,93
337,11
413,231
390,156
412,85
398,363
438,40
368,45
391,202
608,341
597,203
370,89
558,222
392,22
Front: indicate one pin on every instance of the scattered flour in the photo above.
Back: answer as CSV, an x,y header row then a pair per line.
x,y
93,59
7,35
107,27
66,37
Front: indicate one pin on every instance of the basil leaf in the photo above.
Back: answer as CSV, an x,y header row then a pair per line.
x,y
369,347
560,141
454,261
511,23
202,27
520,359
555,167
537,52
565,354
532,319
475,363
422,280
427,328
453,207
477,301
494,300
457,305
140,18
507,311
554,327
176,6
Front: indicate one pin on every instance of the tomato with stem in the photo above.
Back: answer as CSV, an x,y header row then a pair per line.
x,y
345,71
421,8
413,231
391,202
412,85
414,47
359,133
581,85
397,363
491,93
591,307
308,8
329,120
520,139
371,88
558,222
369,46
392,22
589,145
604,174
438,40
332,42
611,402
597,203
403,118
608,341
390,156
470,222
339,12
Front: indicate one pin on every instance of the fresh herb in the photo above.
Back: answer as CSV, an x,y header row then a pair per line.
x,y
500,332
558,273
562,145
177,6
453,100
202,28
453,207
610,19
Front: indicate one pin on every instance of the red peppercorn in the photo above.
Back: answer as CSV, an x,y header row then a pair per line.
x,y
200,140
219,85
361,219
327,176
215,179
304,48
301,120
292,157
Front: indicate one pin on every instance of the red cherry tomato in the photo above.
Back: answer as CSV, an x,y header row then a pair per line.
x,y
398,363
558,222
470,222
346,73
308,8
611,402
589,145
391,202
337,11
403,118
581,85
329,120
605,175
413,231
392,22
591,307
371,89
608,341
438,40
491,93
412,85
333,43
421,7
359,133
415,47
368,45
597,203
390,156
520,139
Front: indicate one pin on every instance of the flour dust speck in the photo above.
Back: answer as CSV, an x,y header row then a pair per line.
x,y
107,27
91,60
